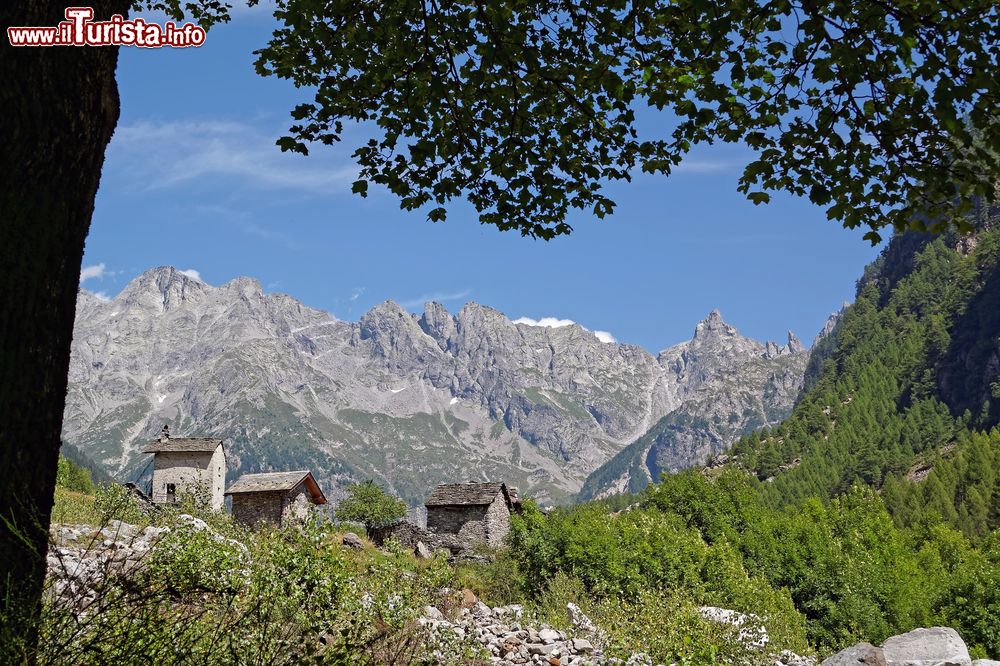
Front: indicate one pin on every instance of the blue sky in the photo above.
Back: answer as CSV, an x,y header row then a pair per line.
x,y
193,180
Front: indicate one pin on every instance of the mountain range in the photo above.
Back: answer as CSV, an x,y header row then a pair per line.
x,y
409,400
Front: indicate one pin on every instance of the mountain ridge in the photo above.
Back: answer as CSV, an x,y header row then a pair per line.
x,y
404,398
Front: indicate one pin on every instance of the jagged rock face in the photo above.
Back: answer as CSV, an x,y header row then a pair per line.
x,y
728,385
409,400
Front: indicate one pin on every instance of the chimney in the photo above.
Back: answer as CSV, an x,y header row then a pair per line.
x,y
165,433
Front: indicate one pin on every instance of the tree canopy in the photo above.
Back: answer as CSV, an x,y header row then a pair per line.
x,y
371,506
881,112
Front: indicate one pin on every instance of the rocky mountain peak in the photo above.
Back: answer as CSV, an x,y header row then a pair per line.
x,y
831,323
438,323
713,326
246,287
164,287
388,323
795,345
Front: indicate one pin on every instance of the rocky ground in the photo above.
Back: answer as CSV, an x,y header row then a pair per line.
x,y
510,641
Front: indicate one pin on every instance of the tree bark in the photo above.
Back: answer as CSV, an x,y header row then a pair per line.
x,y
58,110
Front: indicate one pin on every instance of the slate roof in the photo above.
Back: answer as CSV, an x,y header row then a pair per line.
x,y
466,494
191,444
268,482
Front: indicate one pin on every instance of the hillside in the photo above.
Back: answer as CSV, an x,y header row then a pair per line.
x,y
408,400
897,396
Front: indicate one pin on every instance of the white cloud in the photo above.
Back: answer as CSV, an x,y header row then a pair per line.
x,y
547,322
192,273
437,297
92,272
173,154
555,322
606,337
356,294
102,296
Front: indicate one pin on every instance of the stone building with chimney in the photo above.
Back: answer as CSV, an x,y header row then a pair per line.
x,y
193,467
274,498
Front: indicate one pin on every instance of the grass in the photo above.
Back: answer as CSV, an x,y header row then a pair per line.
x,y
71,507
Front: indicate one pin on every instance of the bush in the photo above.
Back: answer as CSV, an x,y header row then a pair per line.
x,y
368,504
71,476
212,592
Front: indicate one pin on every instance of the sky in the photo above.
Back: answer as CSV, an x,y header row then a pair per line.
x,y
193,180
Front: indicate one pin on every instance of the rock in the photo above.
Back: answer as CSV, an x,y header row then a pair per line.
x,y
985,662
479,609
554,661
936,646
422,551
469,598
751,632
579,619
432,613
353,541
548,636
862,654
789,658
582,646
541,648
515,611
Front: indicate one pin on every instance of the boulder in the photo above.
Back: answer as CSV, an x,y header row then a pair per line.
x,y
985,662
352,541
548,635
432,613
423,551
936,646
862,654
469,598
579,619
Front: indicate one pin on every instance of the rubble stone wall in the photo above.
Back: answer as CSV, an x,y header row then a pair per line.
x,y
254,509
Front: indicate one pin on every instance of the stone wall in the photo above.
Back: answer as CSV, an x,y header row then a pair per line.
x,y
276,508
255,509
466,522
194,474
497,522
406,533
295,504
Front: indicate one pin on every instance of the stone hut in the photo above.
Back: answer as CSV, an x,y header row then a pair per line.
x,y
187,467
274,497
471,513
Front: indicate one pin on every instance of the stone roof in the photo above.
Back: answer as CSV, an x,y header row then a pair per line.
x,y
269,482
190,444
466,494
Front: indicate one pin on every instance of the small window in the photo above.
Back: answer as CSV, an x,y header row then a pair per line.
x,y
171,492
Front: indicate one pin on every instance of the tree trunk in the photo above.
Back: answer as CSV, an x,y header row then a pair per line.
x,y
58,110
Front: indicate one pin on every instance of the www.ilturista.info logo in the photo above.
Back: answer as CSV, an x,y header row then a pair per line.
x,y
79,30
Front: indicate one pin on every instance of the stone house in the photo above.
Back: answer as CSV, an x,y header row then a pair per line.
x,y
470,513
192,467
274,497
